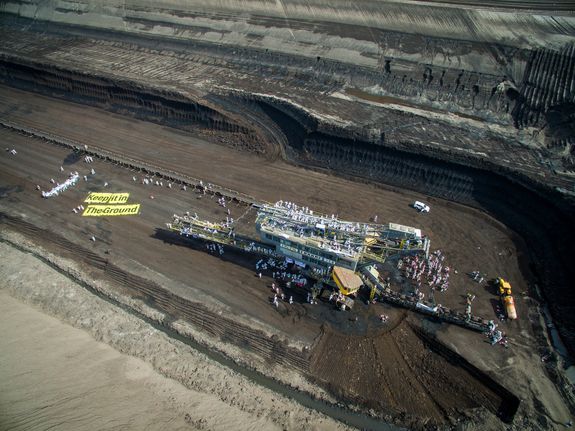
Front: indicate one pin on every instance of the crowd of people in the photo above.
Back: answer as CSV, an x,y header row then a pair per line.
x,y
336,296
215,248
278,295
147,181
284,273
428,271
495,335
303,216
301,221
281,272
321,272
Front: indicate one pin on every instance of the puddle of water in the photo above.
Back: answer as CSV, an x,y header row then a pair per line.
x,y
555,337
570,373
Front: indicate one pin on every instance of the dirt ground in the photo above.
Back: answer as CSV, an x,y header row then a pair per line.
x,y
404,373
80,375
470,240
69,378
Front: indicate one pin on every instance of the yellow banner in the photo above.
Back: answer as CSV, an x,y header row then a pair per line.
x,y
107,198
111,210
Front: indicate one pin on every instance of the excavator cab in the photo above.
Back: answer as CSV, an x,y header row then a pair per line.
x,y
504,287
506,298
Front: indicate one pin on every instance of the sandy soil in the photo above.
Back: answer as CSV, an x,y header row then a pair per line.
x,y
470,239
55,375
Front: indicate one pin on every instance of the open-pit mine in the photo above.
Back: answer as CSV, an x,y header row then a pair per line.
x,y
287,214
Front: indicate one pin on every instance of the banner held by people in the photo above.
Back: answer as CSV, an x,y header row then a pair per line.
x,y
111,210
107,198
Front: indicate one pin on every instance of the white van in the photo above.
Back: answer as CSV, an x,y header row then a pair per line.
x,y
421,207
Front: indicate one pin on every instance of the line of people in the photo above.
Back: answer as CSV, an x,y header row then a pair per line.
x,y
59,188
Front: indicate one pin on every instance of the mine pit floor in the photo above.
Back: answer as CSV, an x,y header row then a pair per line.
x,y
343,357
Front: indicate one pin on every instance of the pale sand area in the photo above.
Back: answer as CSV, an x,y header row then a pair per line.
x,y
54,376
58,377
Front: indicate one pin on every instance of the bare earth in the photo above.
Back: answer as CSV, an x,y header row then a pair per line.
x,y
55,376
470,239
84,385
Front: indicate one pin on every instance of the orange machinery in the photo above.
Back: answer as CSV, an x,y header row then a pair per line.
x,y
506,298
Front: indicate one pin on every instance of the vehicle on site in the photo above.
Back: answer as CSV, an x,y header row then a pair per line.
x,y
421,207
506,297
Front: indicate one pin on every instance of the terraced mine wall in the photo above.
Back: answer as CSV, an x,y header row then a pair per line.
x,y
287,23
518,88
460,90
119,96
549,81
538,214
546,99
429,54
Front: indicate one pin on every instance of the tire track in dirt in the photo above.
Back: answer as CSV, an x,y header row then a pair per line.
x,y
431,404
418,380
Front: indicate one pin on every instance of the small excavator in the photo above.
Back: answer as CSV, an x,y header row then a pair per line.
x,y
506,297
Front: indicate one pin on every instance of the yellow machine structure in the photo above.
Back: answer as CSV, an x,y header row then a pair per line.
x,y
346,280
506,298
321,241
371,269
327,247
